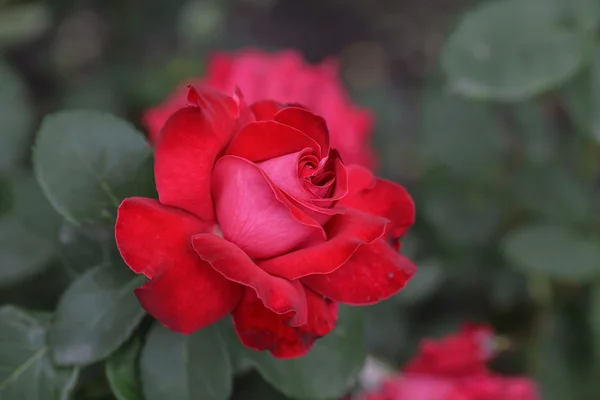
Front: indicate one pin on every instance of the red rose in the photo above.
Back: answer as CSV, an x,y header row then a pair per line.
x,y
461,354
454,368
259,217
287,78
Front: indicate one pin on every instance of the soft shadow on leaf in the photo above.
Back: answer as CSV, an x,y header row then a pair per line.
x,y
122,371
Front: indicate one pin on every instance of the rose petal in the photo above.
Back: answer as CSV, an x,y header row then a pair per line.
x,y
186,151
278,295
260,329
255,215
185,293
263,140
283,172
346,233
154,118
380,197
374,272
305,121
265,110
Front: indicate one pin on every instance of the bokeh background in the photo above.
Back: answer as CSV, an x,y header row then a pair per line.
x,y
488,114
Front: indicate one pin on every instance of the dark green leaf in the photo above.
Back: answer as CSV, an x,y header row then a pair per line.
x,y
460,215
31,207
512,49
186,367
84,248
553,193
27,370
553,251
16,115
582,98
101,155
537,133
122,372
465,138
96,315
328,371
23,253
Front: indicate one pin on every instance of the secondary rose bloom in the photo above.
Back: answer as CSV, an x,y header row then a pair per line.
x,y
454,368
259,217
285,77
461,354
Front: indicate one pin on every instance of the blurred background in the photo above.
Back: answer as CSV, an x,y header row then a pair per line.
x,y
488,114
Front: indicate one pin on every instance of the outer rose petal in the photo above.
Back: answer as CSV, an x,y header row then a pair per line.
x,y
261,329
254,215
305,121
374,272
380,197
346,233
278,295
264,140
265,110
185,293
186,151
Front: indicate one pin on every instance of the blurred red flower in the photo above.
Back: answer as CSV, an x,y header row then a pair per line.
x,y
286,78
454,368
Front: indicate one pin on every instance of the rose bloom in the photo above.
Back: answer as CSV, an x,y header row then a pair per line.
x,y
461,354
285,77
454,368
259,217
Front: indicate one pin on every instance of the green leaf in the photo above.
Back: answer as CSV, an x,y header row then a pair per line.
x,y
30,206
328,371
101,155
465,138
186,367
16,114
537,132
582,98
122,372
553,193
512,49
23,22
461,215
96,314
83,248
23,253
552,251
27,371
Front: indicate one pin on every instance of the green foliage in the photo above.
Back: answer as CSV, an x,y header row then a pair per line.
x,y
27,368
122,371
101,155
514,49
498,142
186,367
96,315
